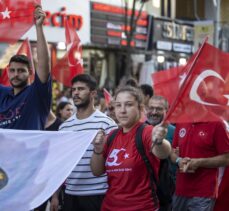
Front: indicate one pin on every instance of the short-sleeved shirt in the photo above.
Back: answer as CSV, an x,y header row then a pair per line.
x,y
128,179
28,109
200,140
81,181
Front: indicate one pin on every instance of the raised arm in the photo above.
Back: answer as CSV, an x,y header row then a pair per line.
x,y
42,48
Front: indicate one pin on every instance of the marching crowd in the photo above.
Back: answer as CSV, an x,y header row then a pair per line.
x,y
112,174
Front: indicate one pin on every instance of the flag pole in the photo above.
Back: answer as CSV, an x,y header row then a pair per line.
x,y
187,79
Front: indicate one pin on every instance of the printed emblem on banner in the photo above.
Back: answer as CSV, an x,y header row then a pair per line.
x,y
202,133
182,132
3,179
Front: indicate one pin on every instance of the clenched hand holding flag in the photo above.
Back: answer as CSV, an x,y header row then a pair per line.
x,y
72,63
34,164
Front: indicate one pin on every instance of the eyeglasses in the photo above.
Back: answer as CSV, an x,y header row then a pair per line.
x,y
157,109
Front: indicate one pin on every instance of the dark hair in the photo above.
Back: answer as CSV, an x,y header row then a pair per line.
x,y
161,98
87,79
131,82
61,106
21,59
135,92
147,90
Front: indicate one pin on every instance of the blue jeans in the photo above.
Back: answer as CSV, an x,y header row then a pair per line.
x,y
181,203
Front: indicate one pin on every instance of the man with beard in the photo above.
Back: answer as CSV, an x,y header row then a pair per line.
x,y
156,110
25,106
84,191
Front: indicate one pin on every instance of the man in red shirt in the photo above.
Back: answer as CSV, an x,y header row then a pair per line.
x,y
203,147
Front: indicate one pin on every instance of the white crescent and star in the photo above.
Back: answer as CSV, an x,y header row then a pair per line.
x,y
6,13
76,56
193,92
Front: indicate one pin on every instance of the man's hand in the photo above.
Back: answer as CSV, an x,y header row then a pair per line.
x,y
192,165
99,142
158,134
39,15
54,204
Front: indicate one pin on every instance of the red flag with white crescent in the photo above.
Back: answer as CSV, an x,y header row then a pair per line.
x,y
72,63
204,96
16,18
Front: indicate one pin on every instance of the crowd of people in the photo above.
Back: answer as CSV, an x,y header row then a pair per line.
x,y
113,176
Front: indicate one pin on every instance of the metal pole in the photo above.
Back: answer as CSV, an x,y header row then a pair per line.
x,y
217,4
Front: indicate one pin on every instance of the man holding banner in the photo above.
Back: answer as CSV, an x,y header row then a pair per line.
x,y
25,106
84,191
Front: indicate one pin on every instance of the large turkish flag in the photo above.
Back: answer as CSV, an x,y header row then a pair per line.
x,y
204,95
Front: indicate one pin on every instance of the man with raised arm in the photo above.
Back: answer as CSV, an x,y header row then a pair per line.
x,y
25,106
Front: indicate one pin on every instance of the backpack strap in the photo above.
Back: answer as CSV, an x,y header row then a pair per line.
x,y
141,151
111,137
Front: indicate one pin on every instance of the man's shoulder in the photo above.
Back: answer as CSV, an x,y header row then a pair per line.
x,y
103,117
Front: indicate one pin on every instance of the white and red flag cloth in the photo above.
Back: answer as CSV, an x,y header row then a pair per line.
x,y
25,49
107,96
72,63
34,164
204,95
16,18
166,83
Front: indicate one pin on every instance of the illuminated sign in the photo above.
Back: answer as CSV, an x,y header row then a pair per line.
x,y
108,26
57,19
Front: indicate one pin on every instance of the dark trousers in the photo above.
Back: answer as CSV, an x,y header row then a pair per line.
x,y
83,203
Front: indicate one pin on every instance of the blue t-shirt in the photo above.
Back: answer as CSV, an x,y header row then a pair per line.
x,y
28,109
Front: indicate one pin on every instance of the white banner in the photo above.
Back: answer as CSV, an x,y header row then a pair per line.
x,y
34,164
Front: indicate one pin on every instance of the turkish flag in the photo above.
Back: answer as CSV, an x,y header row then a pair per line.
x,y
107,96
4,80
166,83
223,197
72,63
16,18
25,49
204,95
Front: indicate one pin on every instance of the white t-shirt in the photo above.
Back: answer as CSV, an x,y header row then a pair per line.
x,y
81,181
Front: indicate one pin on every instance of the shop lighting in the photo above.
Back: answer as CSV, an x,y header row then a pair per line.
x,y
160,59
61,46
182,61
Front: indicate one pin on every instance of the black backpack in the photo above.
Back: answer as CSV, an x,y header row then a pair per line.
x,y
165,184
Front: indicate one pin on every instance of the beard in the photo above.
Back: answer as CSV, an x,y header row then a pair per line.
x,y
84,103
155,121
22,84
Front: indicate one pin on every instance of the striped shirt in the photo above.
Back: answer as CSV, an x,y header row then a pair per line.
x,y
81,181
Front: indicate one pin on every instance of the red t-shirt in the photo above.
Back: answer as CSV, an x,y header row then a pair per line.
x,y
200,140
128,179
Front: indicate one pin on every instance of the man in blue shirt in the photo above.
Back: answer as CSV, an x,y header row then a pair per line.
x,y
25,106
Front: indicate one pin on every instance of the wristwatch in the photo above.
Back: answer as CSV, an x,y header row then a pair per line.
x,y
177,161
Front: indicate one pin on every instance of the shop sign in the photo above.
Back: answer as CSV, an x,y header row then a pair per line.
x,y
164,45
203,29
77,12
183,48
108,25
177,31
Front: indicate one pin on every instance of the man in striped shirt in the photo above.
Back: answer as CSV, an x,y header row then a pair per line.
x,y
84,191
